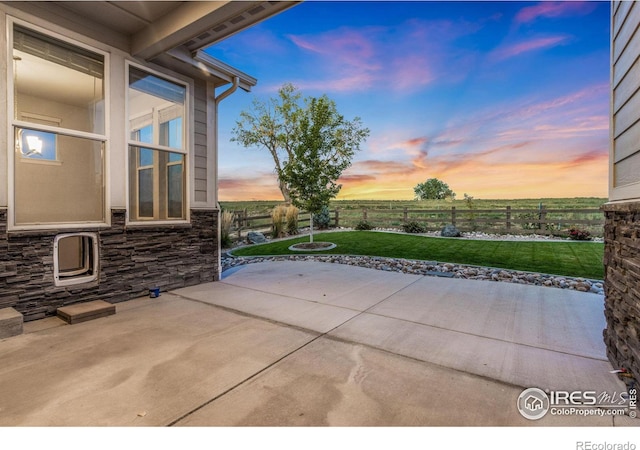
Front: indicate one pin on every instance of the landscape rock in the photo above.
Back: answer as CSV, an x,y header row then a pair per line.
x,y
255,237
450,231
433,268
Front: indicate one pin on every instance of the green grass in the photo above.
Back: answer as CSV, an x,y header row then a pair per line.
x,y
574,259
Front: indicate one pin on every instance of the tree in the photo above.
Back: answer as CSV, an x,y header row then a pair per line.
x,y
433,189
323,148
272,125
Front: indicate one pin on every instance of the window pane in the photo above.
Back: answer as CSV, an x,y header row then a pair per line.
x,y
157,183
145,193
171,133
37,145
159,104
67,190
175,186
143,135
145,157
72,90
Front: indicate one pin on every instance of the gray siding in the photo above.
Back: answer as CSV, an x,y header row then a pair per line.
x,y
626,93
200,142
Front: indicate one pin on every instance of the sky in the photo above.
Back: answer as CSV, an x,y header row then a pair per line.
x,y
500,100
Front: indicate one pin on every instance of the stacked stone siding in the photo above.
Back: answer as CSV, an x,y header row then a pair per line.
x,y
622,285
132,259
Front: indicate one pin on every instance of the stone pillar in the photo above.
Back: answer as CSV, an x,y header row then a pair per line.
x,y
622,285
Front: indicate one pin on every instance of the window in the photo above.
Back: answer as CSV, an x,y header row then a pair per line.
x,y
75,258
157,148
59,132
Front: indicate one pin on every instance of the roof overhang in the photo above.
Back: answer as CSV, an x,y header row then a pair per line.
x,y
213,67
171,33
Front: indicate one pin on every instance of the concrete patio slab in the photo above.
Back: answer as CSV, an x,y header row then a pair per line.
x,y
352,288
560,320
347,385
515,364
144,366
290,310
390,350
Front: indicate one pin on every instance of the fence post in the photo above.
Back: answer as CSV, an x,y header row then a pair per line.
x,y
542,216
453,216
508,217
337,217
364,214
240,220
404,215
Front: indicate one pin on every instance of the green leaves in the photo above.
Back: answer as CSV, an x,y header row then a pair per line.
x,y
310,142
433,189
323,148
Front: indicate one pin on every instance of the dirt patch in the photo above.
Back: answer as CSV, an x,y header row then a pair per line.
x,y
313,246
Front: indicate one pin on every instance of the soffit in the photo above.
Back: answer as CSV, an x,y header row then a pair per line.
x,y
155,27
124,17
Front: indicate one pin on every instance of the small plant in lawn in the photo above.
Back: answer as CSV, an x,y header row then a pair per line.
x,y
363,225
226,220
322,219
292,220
579,235
413,227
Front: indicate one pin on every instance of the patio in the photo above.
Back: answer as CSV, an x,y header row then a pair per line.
x,y
312,344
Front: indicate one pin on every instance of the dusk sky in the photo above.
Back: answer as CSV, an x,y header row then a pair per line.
x,y
497,99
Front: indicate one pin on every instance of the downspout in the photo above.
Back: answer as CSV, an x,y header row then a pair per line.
x,y
216,101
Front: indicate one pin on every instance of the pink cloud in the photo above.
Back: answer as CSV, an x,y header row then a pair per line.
x,y
527,46
411,72
399,58
553,10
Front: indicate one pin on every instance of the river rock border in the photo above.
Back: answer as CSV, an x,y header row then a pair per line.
x,y
433,268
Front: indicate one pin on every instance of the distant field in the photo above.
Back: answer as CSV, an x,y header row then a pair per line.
x,y
479,215
261,207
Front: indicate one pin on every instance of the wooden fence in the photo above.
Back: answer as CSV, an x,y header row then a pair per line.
x,y
502,220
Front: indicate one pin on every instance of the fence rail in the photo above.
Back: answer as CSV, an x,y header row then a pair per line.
x,y
500,220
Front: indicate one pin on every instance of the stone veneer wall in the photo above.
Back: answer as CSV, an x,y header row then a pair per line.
x,y
132,259
622,285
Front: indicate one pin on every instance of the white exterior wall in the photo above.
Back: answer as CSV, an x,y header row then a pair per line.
x,y
200,128
4,95
624,161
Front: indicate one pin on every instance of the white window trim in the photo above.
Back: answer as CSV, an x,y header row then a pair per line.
x,y
72,280
12,123
187,151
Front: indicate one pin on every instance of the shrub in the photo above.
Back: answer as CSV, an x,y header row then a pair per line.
x,y
322,219
579,235
413,227
529,221
363,225
291,217
277,221
226,220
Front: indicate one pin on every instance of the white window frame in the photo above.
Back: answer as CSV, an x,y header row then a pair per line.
x,y
186,151
77,277
13,123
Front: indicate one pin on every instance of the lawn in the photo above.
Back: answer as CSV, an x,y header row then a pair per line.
x,y
575,259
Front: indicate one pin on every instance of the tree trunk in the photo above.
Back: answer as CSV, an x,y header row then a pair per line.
x,y
285,191
311,227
